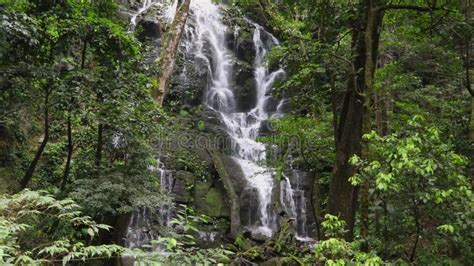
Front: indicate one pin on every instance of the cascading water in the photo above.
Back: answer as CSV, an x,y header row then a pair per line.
x,y
293,199
170,11
208,38
147,4
205,42
140,230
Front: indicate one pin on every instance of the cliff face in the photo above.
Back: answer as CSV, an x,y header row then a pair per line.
x,y
200,149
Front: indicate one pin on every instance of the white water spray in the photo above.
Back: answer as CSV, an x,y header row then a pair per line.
x,y
243,127
169,13
140,230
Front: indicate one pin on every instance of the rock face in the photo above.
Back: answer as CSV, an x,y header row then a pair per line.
x,y
149,29
188,87
189,152
302,184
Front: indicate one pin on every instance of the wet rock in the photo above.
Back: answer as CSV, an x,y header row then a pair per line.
x,y
266,128
188,83
230,40
249,208
271,104
183,185
148,29
211,202
235,173
217,138
245,49
246,97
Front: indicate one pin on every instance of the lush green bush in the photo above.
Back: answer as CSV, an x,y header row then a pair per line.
x,y
37,228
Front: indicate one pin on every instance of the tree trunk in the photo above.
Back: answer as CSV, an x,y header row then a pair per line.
x,y
70,148
355,115
100,144
416,217
471,142
229,187
332,79
31,168
467,65
169,51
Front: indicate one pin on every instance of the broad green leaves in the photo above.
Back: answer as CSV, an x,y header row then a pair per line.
x,y
417,175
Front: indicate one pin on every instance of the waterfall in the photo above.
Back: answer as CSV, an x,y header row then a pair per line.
x,y
140,230
208,38
169,11
147,4
293,199
205,44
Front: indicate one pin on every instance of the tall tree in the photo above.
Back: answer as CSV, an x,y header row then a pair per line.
x,y
169,51
355,115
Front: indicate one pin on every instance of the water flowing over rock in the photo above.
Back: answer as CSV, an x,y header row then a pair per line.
x,y
208,42
141,227
228,75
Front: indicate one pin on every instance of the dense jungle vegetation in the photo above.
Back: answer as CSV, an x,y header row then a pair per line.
x,y
381,116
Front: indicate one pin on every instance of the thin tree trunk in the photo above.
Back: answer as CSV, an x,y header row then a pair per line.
x,y
31,168
70,146
98,152
70,149
335,122
169,51
467,65
371,36
418,230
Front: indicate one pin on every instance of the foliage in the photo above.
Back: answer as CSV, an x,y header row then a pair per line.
x,y
31,223
180,246
72,77
75,64
337,251
417,175
305,137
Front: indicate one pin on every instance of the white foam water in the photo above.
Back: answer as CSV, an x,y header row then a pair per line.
x,y
140,230
208,38
205,40
169,13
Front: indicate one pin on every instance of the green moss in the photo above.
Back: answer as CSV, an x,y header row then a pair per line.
x,y
213,203
200,190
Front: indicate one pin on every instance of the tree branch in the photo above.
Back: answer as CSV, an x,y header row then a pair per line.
x,y
411,7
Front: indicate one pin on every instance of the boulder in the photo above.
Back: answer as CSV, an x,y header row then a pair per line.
x,y
183,185
212,202
149,29
249,206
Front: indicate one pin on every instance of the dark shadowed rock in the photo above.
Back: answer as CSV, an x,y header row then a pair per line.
x,y
183,185
148,29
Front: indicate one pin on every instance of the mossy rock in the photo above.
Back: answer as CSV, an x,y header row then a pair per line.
x,y
200,190
212,204
183,186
